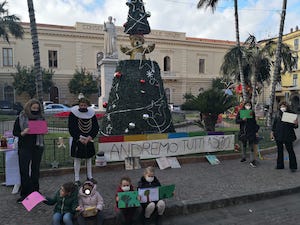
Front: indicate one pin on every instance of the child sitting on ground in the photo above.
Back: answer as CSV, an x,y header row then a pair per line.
x,y
90,203
126,216
150,181
66,202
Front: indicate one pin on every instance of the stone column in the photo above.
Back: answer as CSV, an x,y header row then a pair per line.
x,y
107,68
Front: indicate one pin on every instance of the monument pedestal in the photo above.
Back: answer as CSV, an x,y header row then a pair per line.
x,y
107,68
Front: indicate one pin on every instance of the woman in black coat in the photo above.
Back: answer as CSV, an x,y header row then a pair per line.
x,y
248,133
284,134
83,127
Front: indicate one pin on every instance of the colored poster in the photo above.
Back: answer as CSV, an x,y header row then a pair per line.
x,y
37,127
246,114
212,159
128,199
32,200
148,194
166,191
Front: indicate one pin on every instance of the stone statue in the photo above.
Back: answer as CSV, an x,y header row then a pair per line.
x,y
110,38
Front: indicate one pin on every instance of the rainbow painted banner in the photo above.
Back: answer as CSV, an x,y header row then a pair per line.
x,y
146,146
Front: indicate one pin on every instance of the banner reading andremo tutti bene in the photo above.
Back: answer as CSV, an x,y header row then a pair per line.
x,y
145,149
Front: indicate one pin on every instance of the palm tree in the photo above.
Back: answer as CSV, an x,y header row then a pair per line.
x,y
9,24
213,4
277,62
36,52
210,104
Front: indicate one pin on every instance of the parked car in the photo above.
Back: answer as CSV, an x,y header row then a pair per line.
x,y
45,103
7,108
56,108
18,107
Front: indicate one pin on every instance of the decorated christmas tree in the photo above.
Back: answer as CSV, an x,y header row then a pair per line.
x,y
137,101
137,22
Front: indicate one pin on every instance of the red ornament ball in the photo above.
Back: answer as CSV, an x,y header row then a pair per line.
x,y
117,74
104,104
142,81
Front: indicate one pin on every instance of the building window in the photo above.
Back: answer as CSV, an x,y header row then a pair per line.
x,y
167,63
296,44
52,57
9,93
7,56
295,80
201,65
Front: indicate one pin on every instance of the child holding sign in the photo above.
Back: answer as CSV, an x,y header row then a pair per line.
x,y
90,203
130,213
150,181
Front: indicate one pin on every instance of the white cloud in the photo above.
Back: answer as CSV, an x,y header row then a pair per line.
x,y
258,17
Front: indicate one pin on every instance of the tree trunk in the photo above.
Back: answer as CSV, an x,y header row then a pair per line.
x,y
36,52
210,121
277,64
237,33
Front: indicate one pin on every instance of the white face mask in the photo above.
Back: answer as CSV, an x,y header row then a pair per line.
x,y
283,109
149,179
247,107
125,188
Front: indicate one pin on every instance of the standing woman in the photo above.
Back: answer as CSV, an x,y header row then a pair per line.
x,y
30,148
284,134
248,133
83,127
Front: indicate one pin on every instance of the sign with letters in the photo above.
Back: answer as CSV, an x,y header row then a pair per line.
x,y
146,149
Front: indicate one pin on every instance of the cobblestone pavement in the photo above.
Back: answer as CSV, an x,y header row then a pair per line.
x,y
197,184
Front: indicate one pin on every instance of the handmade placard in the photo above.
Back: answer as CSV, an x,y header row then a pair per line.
x,y
128,199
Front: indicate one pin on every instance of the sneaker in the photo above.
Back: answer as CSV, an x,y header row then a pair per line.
x,y
20,200
243,160
92,180
253,164
77,183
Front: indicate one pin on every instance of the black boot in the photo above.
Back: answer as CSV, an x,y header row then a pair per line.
x,y
147,221
159,220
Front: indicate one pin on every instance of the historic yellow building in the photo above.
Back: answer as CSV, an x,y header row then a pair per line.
x,y
187,64
290,85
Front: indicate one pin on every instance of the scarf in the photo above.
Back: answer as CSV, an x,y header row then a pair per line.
x,y
23,120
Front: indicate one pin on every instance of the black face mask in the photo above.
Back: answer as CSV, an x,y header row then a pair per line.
x,y
83,110
35,112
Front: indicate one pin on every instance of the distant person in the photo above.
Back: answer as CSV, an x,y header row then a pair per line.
x,y
284,134
66,202
30,148
149,180
126,216
83,127
248,134
90,203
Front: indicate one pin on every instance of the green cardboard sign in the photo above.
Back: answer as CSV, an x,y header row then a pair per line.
x,y
166,191
128,199
246,114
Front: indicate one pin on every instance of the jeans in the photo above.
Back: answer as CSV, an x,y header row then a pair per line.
x,y
67,218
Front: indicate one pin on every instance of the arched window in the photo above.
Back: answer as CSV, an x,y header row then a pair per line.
x,y
167,63
168,94
9,93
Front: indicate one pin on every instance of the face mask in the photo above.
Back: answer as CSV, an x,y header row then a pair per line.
x,y
283,109
149,179
247,107
83,110
125,188
35,112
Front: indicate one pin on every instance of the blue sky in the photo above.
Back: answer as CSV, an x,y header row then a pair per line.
x,y
257,17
